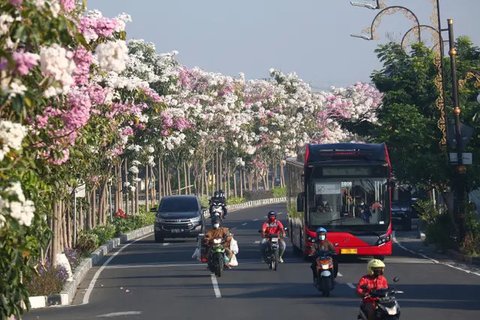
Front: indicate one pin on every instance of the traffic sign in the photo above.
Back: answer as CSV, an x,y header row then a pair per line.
x,y
466,158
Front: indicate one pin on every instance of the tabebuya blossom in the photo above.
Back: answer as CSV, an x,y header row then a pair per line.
x,y
16,205
58,64
11,136
112,55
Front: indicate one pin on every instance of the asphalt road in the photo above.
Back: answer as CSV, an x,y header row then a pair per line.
x,y
148,280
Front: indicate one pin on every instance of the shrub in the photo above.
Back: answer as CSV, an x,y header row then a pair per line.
x,y
87,242
48,280
235,200
73,256
279,192
471,243
104,233
439,229
258,195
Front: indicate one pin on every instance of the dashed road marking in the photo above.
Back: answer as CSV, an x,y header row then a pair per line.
x,y
256,241
119,314
351,285
166,244
216,289
244,224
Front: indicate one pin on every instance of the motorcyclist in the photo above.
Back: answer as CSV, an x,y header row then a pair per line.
x,y
218,197
323,244
373,280
218,231
270,227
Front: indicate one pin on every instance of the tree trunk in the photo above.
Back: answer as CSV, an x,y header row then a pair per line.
x,y
147,204
235,183
282,174
137,194
127,192
160,179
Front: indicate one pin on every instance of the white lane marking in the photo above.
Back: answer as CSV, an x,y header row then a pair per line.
x,y
119,314
433,260
86,297
155,266
256,241
244,224
339,274
255,219
216,289
351,285
166,244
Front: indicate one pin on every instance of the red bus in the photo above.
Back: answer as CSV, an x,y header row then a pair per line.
x,y
345,188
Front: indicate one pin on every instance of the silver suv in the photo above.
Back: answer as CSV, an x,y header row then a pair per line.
x,y
179,217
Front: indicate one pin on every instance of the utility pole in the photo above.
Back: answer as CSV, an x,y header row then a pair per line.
x,y
460,169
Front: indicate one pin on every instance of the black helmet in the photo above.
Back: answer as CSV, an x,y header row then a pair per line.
x,y
272,214
216,194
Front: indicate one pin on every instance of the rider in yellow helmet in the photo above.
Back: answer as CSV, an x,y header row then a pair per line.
x,y
373,280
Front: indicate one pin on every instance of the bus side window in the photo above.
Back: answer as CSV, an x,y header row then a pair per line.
x,y
300,201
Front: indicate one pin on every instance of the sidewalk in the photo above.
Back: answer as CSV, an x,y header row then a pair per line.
x,y
414,244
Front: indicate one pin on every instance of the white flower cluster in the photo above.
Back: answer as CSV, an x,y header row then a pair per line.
x,y
11,137
13,88
112,55
134,169
20,209
57,63
5,22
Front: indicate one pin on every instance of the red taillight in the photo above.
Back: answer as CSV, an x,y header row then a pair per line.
x,y
307,153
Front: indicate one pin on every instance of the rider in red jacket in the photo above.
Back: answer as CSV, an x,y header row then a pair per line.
x,y
273,226
372,281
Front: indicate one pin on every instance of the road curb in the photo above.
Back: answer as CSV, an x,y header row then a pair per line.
x,y
65,297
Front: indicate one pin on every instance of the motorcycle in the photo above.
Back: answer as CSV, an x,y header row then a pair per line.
x,y
386,305
325,279
216,209
216,258
272,254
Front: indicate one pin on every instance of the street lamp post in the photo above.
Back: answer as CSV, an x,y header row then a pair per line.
x,y
460,169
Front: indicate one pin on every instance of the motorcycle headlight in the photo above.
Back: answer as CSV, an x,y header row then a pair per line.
x,y
325,267
217,241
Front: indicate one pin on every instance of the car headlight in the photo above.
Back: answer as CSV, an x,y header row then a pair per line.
x,y
383,239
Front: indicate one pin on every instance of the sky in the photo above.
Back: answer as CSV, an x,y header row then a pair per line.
x,y
308,37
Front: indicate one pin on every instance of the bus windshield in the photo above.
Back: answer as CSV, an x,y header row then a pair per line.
x,y
348,203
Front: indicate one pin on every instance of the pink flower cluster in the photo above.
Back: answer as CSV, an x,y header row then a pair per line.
x,y
79,113
83,59
68,5
25,61
93,27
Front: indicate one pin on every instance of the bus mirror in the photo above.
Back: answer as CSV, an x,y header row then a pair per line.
x,y
300,197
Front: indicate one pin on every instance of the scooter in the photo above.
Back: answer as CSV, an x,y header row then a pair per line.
x,y
325,279
386,305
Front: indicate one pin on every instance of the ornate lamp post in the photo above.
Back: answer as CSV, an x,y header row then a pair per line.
x,y
370,34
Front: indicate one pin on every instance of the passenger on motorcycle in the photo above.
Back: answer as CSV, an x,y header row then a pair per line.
x,y
372,281
218,197
273,226
218,231
323,244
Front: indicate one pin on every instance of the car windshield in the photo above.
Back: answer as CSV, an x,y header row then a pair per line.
x,y
349,203
178,205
